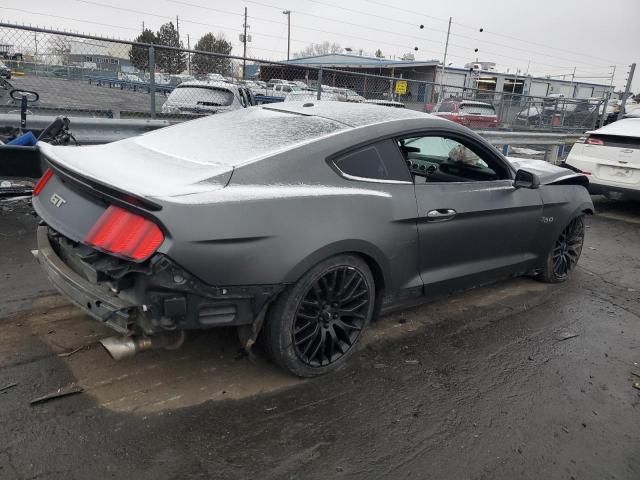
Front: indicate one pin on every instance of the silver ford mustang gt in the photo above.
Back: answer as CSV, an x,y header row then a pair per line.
x,y
296,222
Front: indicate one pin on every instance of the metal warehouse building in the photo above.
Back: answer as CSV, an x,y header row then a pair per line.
x,y
479,76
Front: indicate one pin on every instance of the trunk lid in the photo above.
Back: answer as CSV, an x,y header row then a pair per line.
x,y
68,209
135,167
616,158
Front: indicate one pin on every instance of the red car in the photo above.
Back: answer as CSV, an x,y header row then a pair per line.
x,y
468,113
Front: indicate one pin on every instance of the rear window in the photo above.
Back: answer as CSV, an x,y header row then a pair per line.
x,y
474,109
237,137
615,141
446,107
206,96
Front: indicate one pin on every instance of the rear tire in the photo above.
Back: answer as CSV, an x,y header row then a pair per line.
x,y
315,324
565,253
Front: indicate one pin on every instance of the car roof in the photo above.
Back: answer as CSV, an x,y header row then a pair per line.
x,y
473,102
627,127
347,113
208,84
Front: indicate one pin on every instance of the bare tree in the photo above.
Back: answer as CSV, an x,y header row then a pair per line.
x,y
323,48
59,49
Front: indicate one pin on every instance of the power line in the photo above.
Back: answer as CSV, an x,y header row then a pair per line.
x,y
68,18
442,31
404,46
421,38
552,47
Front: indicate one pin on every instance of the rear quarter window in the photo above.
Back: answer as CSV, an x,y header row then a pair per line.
x,y
379,161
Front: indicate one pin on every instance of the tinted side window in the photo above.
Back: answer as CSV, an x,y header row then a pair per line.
x,y
380,161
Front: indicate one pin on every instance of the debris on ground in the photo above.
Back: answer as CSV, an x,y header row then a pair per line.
x,y
567,336
7,387
411,362
59,393
76,350
636,385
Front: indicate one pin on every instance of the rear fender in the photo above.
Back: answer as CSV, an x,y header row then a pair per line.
x,y
358,247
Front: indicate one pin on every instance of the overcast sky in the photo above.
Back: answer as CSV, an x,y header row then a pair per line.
x,y
549,37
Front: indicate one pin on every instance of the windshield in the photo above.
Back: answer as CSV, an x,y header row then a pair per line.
x,y
475,109
207,96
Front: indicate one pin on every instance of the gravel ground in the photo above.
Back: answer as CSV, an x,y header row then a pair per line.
x,y
515,380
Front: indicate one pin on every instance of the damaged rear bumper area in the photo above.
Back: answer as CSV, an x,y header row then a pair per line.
x,y
150,297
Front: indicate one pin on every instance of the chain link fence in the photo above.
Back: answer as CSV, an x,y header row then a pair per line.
x,y
82,75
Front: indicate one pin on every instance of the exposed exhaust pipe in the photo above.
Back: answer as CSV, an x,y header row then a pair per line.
x,y
123,347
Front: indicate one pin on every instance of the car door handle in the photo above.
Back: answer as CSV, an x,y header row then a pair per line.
x,y
440,214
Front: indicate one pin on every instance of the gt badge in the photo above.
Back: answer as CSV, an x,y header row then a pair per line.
x,y
57,200
546,219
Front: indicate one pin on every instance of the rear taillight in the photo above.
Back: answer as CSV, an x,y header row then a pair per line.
x,y
42,182
125,234
594,141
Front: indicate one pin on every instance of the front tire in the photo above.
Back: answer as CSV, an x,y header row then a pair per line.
x,y
565,253
315,324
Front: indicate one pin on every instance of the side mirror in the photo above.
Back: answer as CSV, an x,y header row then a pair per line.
x,y
526,179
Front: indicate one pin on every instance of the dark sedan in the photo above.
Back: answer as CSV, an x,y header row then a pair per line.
x,y
298,223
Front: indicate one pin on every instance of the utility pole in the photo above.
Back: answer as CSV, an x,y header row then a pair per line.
x,y
444,61
288,14
573,77
244,50
607,98
626,90
178,27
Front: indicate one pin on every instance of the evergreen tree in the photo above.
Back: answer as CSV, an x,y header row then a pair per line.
x,y
139,56
201,63
169,61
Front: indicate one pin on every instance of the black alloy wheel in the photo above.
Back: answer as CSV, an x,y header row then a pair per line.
x,y
314,325
331,316
565,253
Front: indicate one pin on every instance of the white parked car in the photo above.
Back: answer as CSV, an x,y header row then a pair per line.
x,y
205,98
610,156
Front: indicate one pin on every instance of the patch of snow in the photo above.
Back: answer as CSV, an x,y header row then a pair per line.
x,y
526,151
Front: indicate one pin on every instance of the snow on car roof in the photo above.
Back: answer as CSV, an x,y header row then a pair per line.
x,y
351,114
627,127
237,137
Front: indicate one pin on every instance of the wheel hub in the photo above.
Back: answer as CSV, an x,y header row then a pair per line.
x,y
330,316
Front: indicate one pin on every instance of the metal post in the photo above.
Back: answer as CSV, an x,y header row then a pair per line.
x,y
319,86
288,14
444,62
244,50
189,54
607,97
152,81
626,90
551,155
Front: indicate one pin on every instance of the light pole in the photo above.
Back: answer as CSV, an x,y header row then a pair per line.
x,y
288,14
